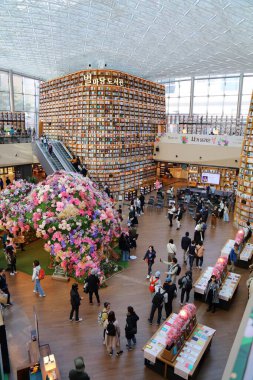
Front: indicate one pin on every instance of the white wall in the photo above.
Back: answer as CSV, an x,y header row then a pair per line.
x,y
16,154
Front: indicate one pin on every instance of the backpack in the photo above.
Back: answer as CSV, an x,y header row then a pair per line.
x,y
152,286
158,298
180,282
188,285
41,274
249,234
178,270
111,329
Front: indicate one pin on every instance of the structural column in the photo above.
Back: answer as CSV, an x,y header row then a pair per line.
x,y
11,91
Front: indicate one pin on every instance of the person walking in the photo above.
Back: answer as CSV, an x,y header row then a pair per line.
x,y
75,301
4,286
198,232
149,257
171,211
112,335
200,249
192,254
157,304
131,328
174,269
213,220
142,199
226,213
185,243
154,281
11,257
185,284
104,317
93,285
50,149
212,294
124,246
1,184
171,249
78,373
178,217
170,290
36,279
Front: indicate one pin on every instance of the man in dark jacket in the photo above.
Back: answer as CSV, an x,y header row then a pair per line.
x,y
78,373
124,246
93,284
4,286
75,303
171,292
185,243
142,200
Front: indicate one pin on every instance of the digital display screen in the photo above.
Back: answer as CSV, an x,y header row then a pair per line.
x,y
212,178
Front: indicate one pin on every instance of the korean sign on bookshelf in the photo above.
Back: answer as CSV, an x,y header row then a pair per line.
x,y
89,80
188,139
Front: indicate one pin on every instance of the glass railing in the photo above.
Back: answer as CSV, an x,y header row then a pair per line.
x,y
15,139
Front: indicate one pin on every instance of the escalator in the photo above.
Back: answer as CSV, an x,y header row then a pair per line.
x,y
59,159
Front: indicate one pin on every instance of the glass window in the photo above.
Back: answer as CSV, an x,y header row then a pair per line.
x,y
200,105
29,103
216,86
19,102
37,87
18,84
230,105
201,87
215,105
232,86
247,85
37,101
173,105
184,105
4,101
4,81
185,88
173,89
30,119
28,86
245,104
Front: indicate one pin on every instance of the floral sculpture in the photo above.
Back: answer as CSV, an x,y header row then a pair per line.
x,y
77,221
220,266
185,314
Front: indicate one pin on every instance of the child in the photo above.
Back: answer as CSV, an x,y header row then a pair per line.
x,y
131,327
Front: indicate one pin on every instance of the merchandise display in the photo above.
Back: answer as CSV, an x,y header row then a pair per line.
x,y
247,252
244,197
227,247
109,119
222,178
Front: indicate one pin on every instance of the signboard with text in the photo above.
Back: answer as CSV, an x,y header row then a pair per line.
x,y
213,140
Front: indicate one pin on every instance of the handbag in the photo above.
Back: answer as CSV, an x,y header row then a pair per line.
x,y
86,288
3,298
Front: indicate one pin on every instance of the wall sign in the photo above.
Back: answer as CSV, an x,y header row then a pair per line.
x,y
90,80
213,140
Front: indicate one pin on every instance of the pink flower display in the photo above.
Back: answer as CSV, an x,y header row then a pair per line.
x,y
68,211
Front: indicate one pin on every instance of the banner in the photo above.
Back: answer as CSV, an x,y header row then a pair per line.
x,y
213,140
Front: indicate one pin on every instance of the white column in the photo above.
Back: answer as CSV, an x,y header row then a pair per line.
x,y
11,91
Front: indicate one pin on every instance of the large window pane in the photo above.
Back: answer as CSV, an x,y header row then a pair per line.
x,y
185,88
184,105
4,81
173,105
18,84
247,85
30,120
4,101
245,104
200,105
201,87
37,87
216,86
232,86
230,105
29,103
215,105
28,86
173,89
19,102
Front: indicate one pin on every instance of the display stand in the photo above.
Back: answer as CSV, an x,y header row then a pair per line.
x,y
245,256
227,247
227,290
186,362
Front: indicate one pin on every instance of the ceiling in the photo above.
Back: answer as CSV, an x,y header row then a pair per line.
x,y
154,39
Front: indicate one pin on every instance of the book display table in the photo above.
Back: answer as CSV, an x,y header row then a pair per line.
x,y
186,362
227,247
245,256
227,290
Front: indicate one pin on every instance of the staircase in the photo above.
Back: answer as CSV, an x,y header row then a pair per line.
x,y
58,160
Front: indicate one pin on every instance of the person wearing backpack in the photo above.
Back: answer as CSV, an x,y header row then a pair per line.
x,y
112,334
157,304
154,280
37,277
174,269
170,290
200,249
103,316
192,254
149,257
75,303
131,327
185,284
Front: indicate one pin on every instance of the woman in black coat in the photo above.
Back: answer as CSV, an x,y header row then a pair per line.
x,y
149,257
75,303
131,327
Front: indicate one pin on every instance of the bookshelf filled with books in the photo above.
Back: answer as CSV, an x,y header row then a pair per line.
x,y
244,195
109,119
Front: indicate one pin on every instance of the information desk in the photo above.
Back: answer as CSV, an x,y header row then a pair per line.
x,y
227,247
188,358
245,256
227,290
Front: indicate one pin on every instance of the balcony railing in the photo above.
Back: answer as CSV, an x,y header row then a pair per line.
x,y
206,125
15,139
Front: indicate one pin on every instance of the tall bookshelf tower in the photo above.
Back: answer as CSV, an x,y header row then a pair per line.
x,y
244,197
109,119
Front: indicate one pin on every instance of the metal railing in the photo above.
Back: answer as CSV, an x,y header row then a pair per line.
x,y
206,125
15,139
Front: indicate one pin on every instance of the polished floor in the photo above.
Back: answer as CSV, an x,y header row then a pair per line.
x,y
68,340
